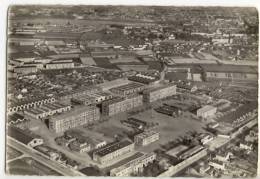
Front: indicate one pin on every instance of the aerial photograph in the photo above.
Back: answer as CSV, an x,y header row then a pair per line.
x,y
137,91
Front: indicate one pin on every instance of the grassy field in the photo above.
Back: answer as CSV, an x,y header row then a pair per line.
x,y
28,166
12,153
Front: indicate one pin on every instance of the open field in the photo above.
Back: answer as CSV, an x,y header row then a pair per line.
x,y
28,166
170,128
12,153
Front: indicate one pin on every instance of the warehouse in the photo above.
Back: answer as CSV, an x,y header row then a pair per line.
x,y
128,89
133,166
118,104
230,72
154,94
76,117
146,138
112,151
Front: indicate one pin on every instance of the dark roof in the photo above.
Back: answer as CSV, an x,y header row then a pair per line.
x,y
20,135
112,147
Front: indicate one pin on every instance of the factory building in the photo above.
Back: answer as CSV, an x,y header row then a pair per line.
x,y
146,138
128,89
59,65
46,110
133,166
112,151
31,104
230,72
206,111
118,104
153,94
145,79
76,117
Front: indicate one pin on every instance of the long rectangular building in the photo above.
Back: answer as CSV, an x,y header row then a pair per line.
x,y
153,94
76,117
112,151
47,110
134,166
118,104
128,89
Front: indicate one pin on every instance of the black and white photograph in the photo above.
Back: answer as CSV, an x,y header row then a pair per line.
x,y
131,90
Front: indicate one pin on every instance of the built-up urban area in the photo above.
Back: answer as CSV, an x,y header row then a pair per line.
x,y
132,91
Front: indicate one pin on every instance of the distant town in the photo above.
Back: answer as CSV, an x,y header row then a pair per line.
x,y
155,91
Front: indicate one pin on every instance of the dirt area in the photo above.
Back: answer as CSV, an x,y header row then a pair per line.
x,y
170,128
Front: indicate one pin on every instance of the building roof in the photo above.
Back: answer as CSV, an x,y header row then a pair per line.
x,y
148,90
128,86
206,108
20,135
112,147
114,83
143,78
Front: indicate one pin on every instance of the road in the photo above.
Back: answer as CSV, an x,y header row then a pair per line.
x,y
38,157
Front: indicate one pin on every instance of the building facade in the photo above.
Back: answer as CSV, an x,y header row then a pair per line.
x,y
146,138
112,151
117,104
46,110
134,166
77,117
153,94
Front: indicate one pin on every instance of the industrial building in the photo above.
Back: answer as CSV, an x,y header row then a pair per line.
x,y
46,110
59,65
118,104
30,104
128,89
230,72
206,111
94,98
79,92
76,117
153,94
112,151
145,79
133,166
146,138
